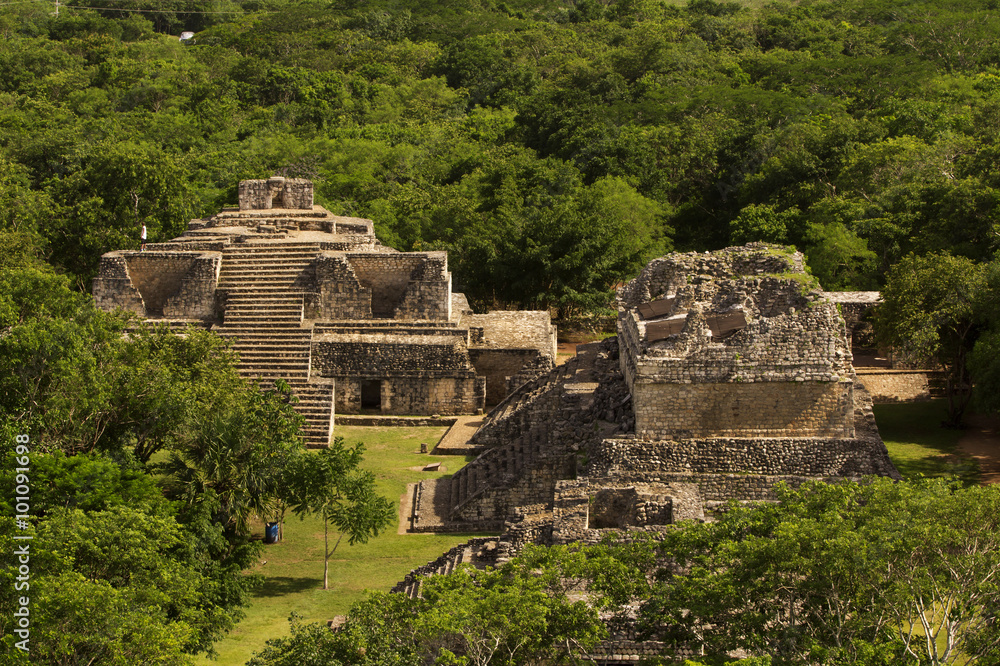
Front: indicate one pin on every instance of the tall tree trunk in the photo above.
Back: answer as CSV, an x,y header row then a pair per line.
x,y
326,553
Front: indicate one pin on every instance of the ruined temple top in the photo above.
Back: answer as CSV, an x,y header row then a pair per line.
x,y
276,192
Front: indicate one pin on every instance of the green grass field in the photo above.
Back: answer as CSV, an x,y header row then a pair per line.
x,y
917,443
293,568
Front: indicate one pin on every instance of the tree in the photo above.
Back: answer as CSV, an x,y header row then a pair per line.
x,y
876,573
931,308
240,453
71,374
331,483
547,605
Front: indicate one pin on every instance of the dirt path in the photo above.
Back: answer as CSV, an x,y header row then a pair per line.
x,y
981,442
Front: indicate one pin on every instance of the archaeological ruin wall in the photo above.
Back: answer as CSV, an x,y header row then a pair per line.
x,y
730,372
510,348
316,300
727,345
159,284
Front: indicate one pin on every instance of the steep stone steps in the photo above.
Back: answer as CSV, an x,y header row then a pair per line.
x,y
263,322
480,552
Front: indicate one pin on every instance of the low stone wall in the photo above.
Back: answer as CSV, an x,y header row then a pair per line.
x,y
393,421
774,457
889,386
414,395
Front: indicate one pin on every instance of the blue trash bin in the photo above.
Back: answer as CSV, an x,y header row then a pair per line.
x,y
271,533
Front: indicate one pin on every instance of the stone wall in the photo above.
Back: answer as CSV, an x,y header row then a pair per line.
x,y
588,509
113,288
498,366
889,386
401,286
515,330
509,348
374,354
763,409
780,365
177,284
414,395
848,457
276,192
340,295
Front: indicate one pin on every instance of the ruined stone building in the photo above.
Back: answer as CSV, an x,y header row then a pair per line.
x,y
314,299
731,371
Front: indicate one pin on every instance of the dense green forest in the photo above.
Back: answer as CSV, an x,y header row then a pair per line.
x,y
552,147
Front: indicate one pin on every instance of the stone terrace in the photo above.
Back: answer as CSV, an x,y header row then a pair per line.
x,y
313,299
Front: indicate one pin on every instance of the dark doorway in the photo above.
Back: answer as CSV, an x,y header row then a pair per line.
x,y
371,394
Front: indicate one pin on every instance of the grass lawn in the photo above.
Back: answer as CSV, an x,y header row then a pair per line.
x,y
294,567
917,443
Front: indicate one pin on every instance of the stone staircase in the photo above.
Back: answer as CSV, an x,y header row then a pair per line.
x,y
264,291
479,552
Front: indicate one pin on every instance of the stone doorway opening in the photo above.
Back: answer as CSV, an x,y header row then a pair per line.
x,y
371,394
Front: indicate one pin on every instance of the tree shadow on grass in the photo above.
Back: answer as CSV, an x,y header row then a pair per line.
x,y
951,465
918,443
280,586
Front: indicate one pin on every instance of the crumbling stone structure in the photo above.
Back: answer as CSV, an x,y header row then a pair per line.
x,y
314,299
731,372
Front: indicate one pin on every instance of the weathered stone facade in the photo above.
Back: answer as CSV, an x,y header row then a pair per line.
x,y
731,372
314,299
276,192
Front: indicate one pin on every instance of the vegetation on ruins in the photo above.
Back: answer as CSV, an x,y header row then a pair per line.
x,y
545,606
552,147
873,573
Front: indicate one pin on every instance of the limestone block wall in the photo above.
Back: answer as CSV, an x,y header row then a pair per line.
x,y
587,509
499,365
765,409
276,192
340,295
784,368
178,285
888,386
775,457
388,354
509,348
113,289
411,369
414,395
398,285
515,330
